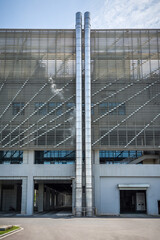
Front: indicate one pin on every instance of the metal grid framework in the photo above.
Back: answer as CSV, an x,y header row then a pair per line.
x,y
125,89
37,89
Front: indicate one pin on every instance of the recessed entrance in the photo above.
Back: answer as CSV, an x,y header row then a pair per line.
x,y
53,195
132,201
10,196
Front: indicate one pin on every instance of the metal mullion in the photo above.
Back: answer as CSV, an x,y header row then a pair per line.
x,y
4,62
116,54
149,52
158,40
115,42
125,101
13,64
143,129
24,106
37,121
12,154
113,94
126,118
141,65
56,54
39,128
136,81
40,108
98,78
5,154
26,81
64,70
13,54
108,85
45,132
123,58
63,141
47,49
132,55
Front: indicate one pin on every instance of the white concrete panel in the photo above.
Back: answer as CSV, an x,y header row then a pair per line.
x,y
109,199
24,196
30,196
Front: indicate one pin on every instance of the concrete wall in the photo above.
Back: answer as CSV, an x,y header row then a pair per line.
x,y
28,172
65,170
105,180
107,196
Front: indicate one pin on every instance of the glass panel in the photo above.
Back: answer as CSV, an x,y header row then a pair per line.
x,y
55,157
120,157
11,157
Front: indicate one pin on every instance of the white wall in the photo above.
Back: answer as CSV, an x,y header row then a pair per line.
x,y
106,178
110,194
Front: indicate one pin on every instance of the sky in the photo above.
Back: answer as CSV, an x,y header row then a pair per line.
x,y
60,14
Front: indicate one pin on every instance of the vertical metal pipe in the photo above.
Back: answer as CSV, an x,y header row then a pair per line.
x,y
88,165
78,207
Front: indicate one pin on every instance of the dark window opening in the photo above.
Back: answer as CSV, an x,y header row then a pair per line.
x,y
11,157
118,157
55,157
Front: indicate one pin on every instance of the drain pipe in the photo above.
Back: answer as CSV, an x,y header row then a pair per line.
x,y
78,203
88,165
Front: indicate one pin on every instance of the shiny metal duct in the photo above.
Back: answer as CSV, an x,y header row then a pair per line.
x,y
78,204
88,165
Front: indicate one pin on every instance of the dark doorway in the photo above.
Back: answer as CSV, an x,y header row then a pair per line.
x,y
19,198
53,196
132,201
11,194
158,206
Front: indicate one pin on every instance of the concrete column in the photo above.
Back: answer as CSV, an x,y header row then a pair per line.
x,y
96,156
28,187
24,196
40,197
31,157
88,161
28,157
30,195
73,196
47,199
44,200
25,157
78,205
15,194
52,199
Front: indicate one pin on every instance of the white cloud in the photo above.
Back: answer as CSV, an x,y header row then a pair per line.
x,y
127,14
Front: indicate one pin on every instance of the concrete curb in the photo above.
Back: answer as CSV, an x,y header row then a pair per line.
x,y
10,233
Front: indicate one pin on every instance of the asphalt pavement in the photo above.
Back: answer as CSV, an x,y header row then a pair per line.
x,y
70,228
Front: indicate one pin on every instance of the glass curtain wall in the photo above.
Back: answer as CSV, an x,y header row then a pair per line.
x,y
37,89
125,89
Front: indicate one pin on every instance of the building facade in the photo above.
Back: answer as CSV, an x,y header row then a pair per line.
x,y
79,120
